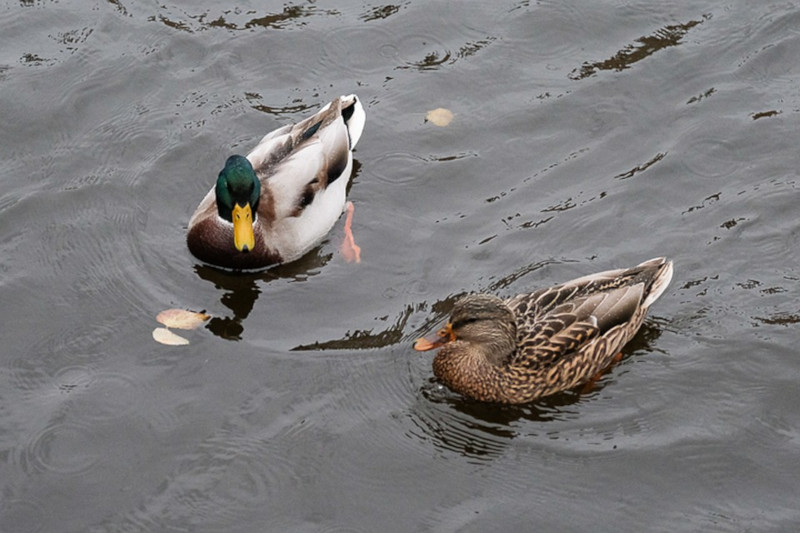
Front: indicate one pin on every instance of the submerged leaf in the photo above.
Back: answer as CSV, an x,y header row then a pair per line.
x,y
439,116
165,336
181,319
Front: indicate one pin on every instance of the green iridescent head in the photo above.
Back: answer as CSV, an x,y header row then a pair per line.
x,y
238,191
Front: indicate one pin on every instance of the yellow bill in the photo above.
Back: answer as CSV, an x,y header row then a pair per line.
x,y
243,237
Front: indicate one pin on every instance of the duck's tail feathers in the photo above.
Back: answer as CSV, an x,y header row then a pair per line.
x,y
662,275
354,117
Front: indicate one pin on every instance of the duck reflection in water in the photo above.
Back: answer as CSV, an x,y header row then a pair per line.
x,y
241,290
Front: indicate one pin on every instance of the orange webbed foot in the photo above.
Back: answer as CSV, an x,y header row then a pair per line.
x,y
350,250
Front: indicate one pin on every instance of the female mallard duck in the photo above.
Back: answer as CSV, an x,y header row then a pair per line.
x,y
283,198
533,345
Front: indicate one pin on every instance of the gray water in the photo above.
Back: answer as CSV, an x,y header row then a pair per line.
x,y
586,136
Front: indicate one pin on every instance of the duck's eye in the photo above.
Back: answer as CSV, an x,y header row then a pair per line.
x,y
442,333
306,198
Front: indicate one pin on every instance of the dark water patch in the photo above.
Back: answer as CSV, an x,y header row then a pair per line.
x,y
701,97
34,60
765,114
646,46
291,17
454,157
290,110
709,200
73,39
119,7
382,12
782,319
640,168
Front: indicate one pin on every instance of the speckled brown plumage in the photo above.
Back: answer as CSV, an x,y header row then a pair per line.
x,y
533,345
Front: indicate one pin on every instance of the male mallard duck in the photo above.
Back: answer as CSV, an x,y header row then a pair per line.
x,y
283,198
533,345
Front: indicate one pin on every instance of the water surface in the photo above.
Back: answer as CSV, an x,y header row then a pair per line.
x,y
585,137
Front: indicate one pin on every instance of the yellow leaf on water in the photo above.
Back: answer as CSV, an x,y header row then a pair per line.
x,y
181,319
165,336
439,116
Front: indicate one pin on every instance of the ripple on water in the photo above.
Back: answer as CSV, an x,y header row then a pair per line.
x,y
127,132
419,52
374,48
548,25
380,382
348,433
398,168
438,419
451,423
28,374
72,247
106,396
79,344
67,449
21,516
287,71
35,396
219,484
710,157
73,378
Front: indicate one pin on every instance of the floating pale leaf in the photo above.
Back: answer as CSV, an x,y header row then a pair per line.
x,y
439,116
181,319
165,336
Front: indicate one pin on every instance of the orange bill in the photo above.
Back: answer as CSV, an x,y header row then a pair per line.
x,y
443,336
243,237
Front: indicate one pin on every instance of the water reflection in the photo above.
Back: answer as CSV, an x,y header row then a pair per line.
x,y
241,290
364,339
